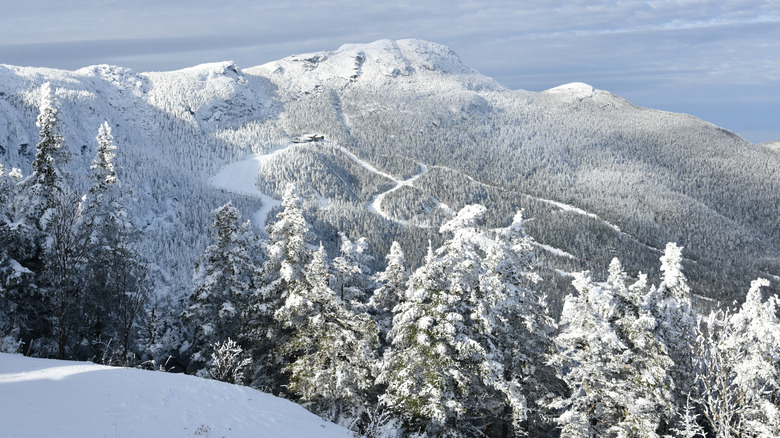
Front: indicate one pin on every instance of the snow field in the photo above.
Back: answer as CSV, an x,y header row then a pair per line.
x,y
53,398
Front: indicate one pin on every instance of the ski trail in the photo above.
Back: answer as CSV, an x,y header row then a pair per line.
x,y
364,164
376,204
239,178
560,205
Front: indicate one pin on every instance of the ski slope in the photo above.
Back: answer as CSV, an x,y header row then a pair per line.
x,y
239,177
53,398
376,204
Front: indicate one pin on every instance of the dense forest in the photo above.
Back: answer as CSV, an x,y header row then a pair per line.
x,y
463,343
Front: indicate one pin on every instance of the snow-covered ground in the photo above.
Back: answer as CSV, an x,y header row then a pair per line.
x,y
240,177
53,398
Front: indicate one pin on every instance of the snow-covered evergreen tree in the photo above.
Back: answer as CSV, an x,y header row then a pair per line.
x,y
615,366
13,244
738,369
586,347
117,286
102,166
443,370
518,316
221,286
391,290
420,369
287,254
14,277
331,350
43,187
351,279
670,305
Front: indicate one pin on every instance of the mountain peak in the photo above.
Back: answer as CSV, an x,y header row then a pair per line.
x,y
575,90
375,63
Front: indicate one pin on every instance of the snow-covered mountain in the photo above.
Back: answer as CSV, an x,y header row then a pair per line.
x,y
412,134
43,397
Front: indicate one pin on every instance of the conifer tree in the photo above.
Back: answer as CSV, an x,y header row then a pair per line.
x,y
221,286
14,277
13,245
287,254
443,370
393,282
738,369
519,318
670,305
615,366
117,274
420,369
331,350
46,184
351,279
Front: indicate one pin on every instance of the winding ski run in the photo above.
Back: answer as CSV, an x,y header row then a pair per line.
x,y
239,178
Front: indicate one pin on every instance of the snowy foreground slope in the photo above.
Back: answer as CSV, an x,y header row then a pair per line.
x,y
53,398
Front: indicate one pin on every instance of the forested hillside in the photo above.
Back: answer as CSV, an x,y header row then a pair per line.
x,y
655,176
182,220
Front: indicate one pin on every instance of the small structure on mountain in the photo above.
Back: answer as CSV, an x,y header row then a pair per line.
x,y
308,138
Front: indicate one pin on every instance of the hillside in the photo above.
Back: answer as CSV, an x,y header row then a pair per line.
x,y
412,135
42,397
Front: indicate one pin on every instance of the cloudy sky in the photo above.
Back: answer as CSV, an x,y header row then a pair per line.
x,y
716,59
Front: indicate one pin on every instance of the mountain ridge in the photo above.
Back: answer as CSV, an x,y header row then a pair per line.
x,y
657,176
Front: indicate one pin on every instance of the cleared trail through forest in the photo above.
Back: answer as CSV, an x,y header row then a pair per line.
x,y
239,178
561,206
376,204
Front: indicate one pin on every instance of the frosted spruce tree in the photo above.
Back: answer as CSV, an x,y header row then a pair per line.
x,y
442,370
221,287
670,305
331,351
424,384
521,328
738,369
117,287
288,254
16,248
15,242
648,385
45,185
390,292
614,365
351,277
586,346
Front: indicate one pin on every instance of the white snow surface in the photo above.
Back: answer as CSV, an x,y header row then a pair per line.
x,y
240,177
554,251
53,398
577,90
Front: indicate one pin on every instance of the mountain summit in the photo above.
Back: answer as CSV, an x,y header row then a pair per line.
x,y
373,65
